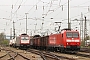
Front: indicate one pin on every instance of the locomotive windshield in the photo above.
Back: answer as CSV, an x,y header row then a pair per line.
x,y
24,38
72,35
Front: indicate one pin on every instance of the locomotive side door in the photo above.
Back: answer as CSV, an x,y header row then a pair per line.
x,y
62,38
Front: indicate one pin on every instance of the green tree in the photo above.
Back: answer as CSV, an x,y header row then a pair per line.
x,y
1,37
3,40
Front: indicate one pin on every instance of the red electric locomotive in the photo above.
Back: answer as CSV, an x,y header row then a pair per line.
x,y
22,41
66,40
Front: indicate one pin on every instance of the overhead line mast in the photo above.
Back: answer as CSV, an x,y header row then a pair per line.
x,y
26,22
69,25
85,30
13,30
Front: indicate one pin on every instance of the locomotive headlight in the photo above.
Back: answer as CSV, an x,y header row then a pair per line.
x,y
77,43
67,43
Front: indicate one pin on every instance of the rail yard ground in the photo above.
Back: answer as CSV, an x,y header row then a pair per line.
x,y
28,55
33,56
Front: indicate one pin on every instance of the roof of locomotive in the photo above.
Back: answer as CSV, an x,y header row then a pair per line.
x,y
68,30
23,34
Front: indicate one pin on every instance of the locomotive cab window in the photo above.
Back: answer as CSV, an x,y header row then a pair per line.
x,y
69,34
72,35
75,35
24,38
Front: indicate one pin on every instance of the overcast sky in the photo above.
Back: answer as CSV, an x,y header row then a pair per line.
x,y
14,10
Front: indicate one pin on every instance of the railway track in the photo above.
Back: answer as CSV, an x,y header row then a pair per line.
x,y
85,49
11,55
87,55
48,55
78,56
